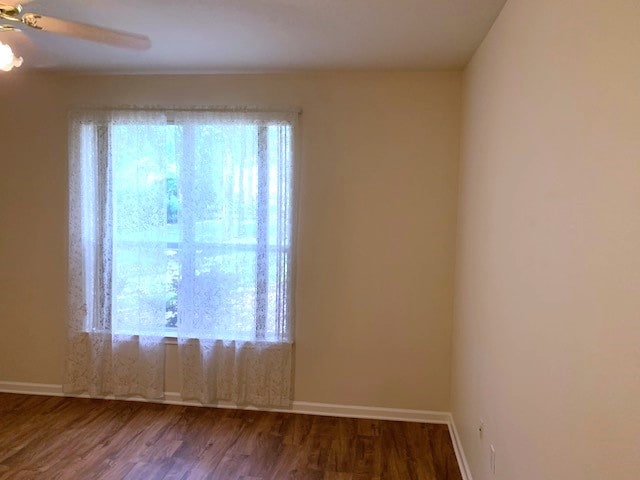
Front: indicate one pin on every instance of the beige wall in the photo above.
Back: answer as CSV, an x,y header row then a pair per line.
x,y
547,326
378,194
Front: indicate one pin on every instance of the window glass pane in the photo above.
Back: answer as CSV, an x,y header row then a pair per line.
x,y
187,253
223,300
224,183
142,159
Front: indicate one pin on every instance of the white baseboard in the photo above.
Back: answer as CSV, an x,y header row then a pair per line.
x,y
31,388
351,411
309,408
457,448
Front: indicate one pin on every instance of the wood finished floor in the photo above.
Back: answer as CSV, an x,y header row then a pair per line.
x,y
70,438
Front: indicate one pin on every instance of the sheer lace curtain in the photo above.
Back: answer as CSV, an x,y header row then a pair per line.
x,y
182,226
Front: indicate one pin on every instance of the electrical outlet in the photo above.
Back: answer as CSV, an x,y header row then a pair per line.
x,y
492,461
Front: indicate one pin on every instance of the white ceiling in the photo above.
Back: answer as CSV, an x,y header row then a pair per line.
x,y
263,35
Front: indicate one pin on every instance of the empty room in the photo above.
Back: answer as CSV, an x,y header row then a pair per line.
x,y
324,240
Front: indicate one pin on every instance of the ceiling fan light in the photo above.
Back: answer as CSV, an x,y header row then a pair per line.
x,y
7,59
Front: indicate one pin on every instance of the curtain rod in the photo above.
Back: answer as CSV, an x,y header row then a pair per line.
x,y
212,109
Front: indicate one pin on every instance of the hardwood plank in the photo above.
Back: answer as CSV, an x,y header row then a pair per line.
x,y
337,476
70,438
444,457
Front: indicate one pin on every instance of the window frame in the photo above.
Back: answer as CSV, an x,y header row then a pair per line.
x,y
262,119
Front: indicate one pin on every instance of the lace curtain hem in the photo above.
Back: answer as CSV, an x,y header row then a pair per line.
x,y
244,373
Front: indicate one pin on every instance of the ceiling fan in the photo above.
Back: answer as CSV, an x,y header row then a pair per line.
x,y
12,12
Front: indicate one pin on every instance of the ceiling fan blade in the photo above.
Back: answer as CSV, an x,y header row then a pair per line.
x,y
15,3
85,31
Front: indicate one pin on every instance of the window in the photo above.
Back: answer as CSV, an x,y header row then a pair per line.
x,y
186,222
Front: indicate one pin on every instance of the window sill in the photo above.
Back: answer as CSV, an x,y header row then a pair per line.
x,y
173,340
